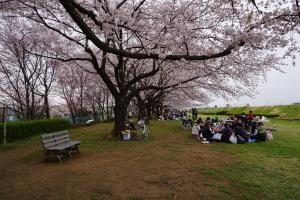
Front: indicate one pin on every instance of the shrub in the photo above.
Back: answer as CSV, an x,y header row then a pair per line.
x,y
108,120
23,129
223,112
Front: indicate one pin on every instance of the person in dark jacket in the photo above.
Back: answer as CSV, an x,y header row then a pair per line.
x,y
241,134
207,132
226,133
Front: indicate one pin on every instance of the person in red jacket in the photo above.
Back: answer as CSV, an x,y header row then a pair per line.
x,y
250,116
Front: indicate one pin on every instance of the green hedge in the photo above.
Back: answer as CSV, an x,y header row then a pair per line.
x,y
23,129
225,112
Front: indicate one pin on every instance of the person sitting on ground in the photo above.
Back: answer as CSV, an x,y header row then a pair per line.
x,y
207,132
237,123
261,133
243,117
230,117
208,120
247,128
161,117
226,133
186,121
240,123
234,117
196,131
215,120
217,131
253,130
129,123
200,121
220,126
215,128
241,134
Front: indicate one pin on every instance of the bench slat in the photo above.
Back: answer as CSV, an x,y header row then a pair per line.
x,y
62,141
49,145
54,134
55,143
64,145
53,139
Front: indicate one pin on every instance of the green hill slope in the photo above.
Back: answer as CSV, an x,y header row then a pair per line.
x,y
283,111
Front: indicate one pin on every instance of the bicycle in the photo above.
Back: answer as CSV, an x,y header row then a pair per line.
x,y
142,129
186,124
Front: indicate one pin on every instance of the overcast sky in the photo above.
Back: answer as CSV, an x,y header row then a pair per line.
x,y
279,89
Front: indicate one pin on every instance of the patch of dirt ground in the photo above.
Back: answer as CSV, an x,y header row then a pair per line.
x,y
171,168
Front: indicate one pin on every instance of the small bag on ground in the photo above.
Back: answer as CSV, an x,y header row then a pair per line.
x,y
269,135
233,139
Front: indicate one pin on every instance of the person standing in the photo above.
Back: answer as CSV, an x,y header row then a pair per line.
x,y
195,114
250,116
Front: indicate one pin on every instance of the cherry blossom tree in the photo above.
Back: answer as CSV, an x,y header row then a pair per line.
x,y
26,79
83,93
217,46
71,85
98,98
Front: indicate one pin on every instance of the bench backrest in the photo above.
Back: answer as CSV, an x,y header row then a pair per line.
x,y
53,139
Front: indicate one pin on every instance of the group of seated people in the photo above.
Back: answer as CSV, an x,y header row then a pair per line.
x,y
236,129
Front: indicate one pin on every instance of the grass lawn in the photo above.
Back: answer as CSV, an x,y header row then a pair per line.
x,y
170,165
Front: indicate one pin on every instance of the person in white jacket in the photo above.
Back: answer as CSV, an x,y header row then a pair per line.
x,y
196,131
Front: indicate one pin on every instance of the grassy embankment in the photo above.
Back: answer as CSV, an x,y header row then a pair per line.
x,y
282,112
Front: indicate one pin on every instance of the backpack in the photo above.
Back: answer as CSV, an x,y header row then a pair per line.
x,y
233,139
261,134
240,139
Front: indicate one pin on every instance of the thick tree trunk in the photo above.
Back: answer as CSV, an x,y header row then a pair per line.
x,y
107,107
111,111
141,108
148,112
81,106
47,109
120,112
141,111
95,114
102,115
73,117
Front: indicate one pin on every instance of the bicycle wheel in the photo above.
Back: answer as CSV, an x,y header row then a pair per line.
x,y
146,132
142,133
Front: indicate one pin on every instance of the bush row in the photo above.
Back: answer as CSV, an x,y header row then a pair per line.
x,y
225,112
23,129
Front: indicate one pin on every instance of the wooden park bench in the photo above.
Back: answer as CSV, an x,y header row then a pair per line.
x,y
59,145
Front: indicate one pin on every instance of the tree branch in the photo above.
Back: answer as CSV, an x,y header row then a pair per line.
x,y
69,6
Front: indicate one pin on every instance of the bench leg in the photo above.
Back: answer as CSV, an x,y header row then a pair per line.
x,y
58,156
77,149
62,154
70,154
